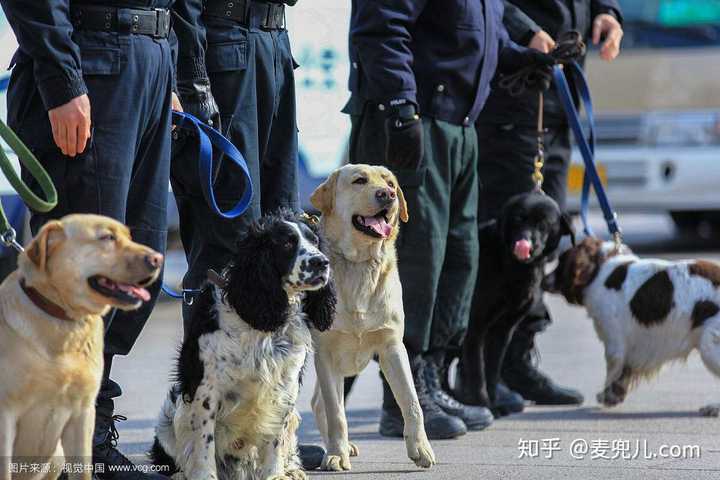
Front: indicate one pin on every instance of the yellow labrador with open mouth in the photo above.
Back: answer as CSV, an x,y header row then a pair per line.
x,y
51,338
362,207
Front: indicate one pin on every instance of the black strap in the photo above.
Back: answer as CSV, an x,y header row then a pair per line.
x,y
152,22
249,13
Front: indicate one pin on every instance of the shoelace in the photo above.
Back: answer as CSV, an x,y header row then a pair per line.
x,y
111,441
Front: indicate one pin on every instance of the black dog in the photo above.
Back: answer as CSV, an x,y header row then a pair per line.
x,y
232,408
513,253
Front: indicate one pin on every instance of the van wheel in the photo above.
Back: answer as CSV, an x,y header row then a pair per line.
x,y
696,223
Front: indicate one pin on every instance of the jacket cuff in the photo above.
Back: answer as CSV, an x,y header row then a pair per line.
x,y
391,104
191,68
58,90
528,36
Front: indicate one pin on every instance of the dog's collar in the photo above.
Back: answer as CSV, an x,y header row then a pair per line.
x,y
52,309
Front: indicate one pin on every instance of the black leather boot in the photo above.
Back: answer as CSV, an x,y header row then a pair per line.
x,y
438,424
475,417
521,375
115,465
507,401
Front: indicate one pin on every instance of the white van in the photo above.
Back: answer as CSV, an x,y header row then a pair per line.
x,y
658,112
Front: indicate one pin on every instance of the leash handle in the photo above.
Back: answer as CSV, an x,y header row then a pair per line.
x,y
209,138
586,145
29,161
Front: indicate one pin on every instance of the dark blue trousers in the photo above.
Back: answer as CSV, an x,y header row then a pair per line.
x,y
252,80
124,170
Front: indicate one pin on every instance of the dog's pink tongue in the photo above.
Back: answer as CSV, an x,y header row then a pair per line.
x,y
522,249
137,292
379,225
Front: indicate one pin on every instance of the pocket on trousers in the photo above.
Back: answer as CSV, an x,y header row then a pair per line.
x,y
226,57
100,61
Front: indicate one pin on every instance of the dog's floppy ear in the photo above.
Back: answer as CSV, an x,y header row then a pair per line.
x,y
319,306
323,198
42,246
581,268
254,284
567,227
403,205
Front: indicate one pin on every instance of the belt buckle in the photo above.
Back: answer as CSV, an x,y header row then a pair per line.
x,y
275,16
162,23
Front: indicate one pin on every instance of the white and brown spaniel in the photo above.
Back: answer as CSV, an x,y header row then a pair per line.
x,y
647,312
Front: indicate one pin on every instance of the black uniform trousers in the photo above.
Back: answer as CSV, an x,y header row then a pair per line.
x,y
123,172
252,80
505,168
438,247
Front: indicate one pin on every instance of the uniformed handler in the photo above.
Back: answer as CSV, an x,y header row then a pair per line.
x,y
235,72
90,94
421,72
507,127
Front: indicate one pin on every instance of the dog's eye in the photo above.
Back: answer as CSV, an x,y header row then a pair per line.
x,y
360,181
107,237
290,243
391,184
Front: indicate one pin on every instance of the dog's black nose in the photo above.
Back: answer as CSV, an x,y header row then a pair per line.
x,y
385,195
319,262
154,261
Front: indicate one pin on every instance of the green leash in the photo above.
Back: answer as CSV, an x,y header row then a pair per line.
x,y
26,157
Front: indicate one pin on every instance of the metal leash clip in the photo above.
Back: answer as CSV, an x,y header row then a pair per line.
x,y
9,239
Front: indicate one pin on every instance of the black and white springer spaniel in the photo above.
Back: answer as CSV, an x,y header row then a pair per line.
x,y
647,312
231,413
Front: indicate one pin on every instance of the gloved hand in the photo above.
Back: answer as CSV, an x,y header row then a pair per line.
x,y
196,99
538,65
404,132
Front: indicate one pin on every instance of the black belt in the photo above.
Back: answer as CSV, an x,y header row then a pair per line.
x,y
249,13
153,22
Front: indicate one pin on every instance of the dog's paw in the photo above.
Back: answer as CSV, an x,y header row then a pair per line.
x,y
178,476
712,410
336,463
608,398
354,449
421,453
296,474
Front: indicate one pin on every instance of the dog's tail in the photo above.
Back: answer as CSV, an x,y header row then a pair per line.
x,y
162,450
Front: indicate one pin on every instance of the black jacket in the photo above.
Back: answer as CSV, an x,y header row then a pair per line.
x,y
524,18
44,33
439,54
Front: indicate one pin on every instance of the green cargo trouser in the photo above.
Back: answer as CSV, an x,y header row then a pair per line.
x,y
438,247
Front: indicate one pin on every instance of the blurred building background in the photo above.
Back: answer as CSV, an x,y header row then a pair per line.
x,y
658,107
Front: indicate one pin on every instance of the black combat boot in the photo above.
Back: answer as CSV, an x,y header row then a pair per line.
x,y
113,464
438,424
507,401
475,417
521,375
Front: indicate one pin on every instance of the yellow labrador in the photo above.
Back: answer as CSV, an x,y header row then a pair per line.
x,y
362,207
51,338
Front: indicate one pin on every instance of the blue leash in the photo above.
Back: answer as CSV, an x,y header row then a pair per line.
x,y
208,138
586,144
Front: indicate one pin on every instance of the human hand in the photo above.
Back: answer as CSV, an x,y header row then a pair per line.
x,y
70,124
607,25
542,41
404,147
175,103
198,101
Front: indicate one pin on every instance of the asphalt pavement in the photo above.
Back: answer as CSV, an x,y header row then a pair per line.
x,y
656,434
